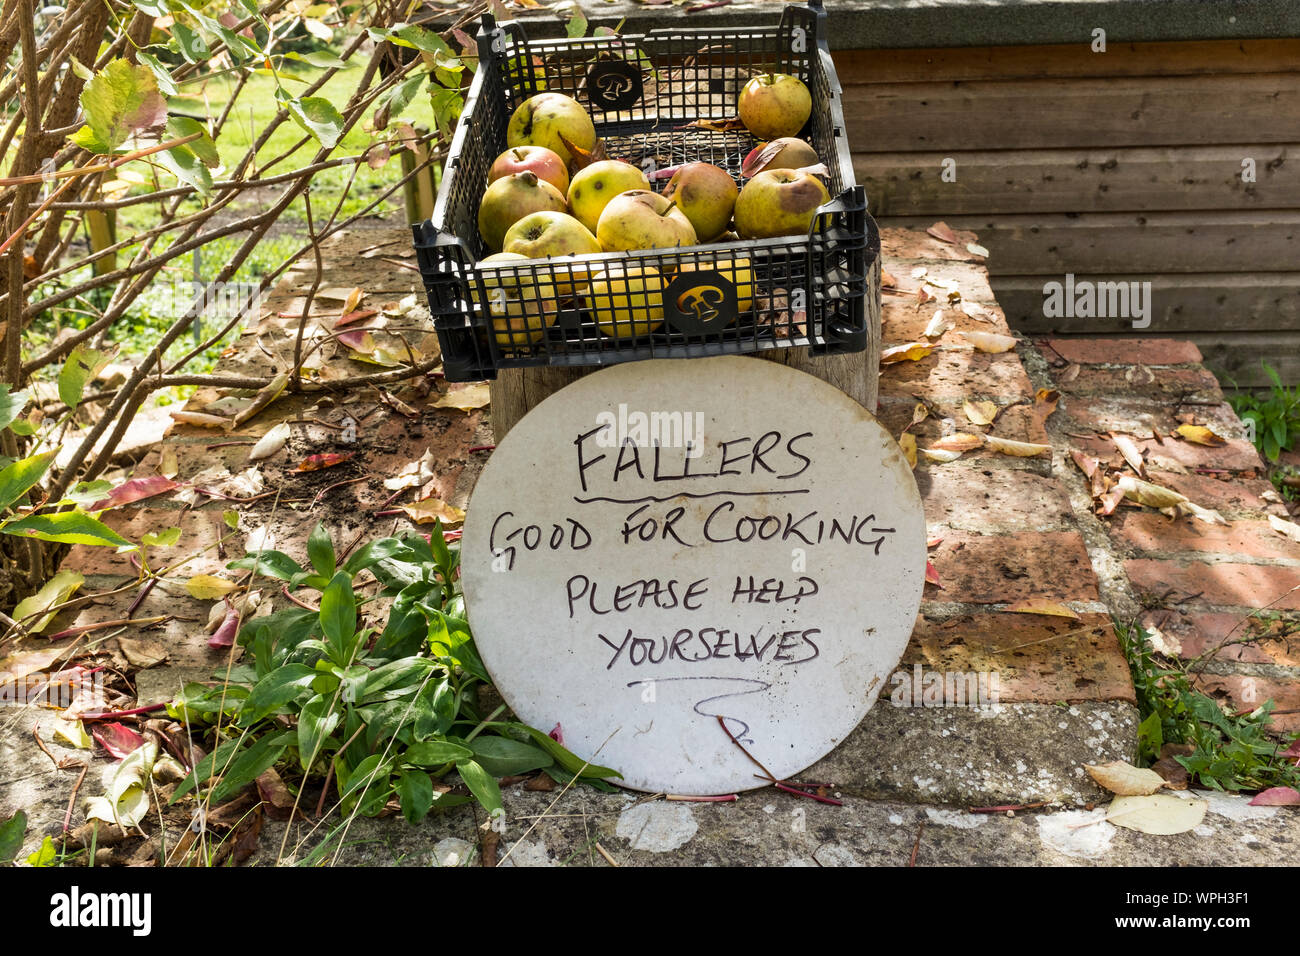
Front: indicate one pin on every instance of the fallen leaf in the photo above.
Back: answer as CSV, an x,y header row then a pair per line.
x,y
52,593
1162,814
118,739
990,341
1139,375
1146,493
1020,449
922,296
19,665
413,473
209,587
275,795
1276,797
887,280
940,455
1045,401
907,442
958,442
931,575
224,636
716,126
428,510
920,412
943,232
910,352
977,249
465,399
263,398
202,419
1200,435
323,460
1110,500
1124,779
583,158
270,443
141,654
919,271
1208,515
1131,452
933,542
976,311
73,733
980,413
1173,773
1287,529
125,801
137,489
1041,607
937,326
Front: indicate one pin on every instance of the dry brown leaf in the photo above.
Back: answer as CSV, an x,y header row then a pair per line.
x,y
1131,452
1108,501
1041,607
990,341
958,441
907,442
168,466
465,399
909,352
1020,449
932,575
1124,779
201,419
428,510
1288,529
1199,435
1162,814
920,412
142,653
1069,373
943,232
1146,493
887,280
980,413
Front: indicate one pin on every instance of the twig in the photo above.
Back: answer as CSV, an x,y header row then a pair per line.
x,y
338,484
724,798
605,853
72,800
45,750
911,860
302,604
116,714
1010,807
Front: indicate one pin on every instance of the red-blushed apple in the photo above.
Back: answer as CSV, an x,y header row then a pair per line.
x,y
627,301
640,219
520,307
773,105
779,202
595,185
788,152
707,195
548,119
546,234
511,198
546,163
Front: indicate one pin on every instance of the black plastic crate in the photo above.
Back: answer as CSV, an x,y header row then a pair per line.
x,y
642,92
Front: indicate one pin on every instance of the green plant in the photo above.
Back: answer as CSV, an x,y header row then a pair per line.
x,y
1232,751
1274,416
385,713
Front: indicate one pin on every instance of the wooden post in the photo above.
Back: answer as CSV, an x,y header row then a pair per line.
x,y
517,390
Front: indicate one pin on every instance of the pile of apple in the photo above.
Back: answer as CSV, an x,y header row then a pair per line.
x,y
533,209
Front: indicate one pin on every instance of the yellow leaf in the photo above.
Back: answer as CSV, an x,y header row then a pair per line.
x,y
208,587
1162,814
1041,607
919,414
1021,449
910,352
168,466
52,593
472,396
429,510
980,413
1124,779
907,441
958,442
1145,493
71,732
1200,435
989,341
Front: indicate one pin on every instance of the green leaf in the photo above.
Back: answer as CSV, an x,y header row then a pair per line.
x,y
1150,736
413,37
19,477
222,760
366,773
320,551
503,757
338,612
371,553
187,168
87,492
12,832
248,766
190,43
154,8
320,58
45,854
316,722
231,518
166,85
53,592
435,753
181,126
120,99
400,98
415,790
83,364
481,784
272,564
11,405
317,116
162,539
23,427
67,527
569,761
447,105
276,689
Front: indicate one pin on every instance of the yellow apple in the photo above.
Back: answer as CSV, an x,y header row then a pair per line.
x,y
546,234
773,105
520,307
707,195
779,202
594,186
511,198
738,271
543,119
788,152
627,301
640,219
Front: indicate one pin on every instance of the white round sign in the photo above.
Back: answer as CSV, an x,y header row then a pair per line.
x,y
664,543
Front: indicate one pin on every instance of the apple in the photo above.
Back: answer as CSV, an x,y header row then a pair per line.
x,y
520,307
773,105
640,219
788,152
542,235
543,119
739,271
595,185
707,195
779,202
546,163
511,198
627,301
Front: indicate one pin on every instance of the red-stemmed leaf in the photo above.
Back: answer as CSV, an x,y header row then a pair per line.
x,y
324,460
118,739
137,489
1277,797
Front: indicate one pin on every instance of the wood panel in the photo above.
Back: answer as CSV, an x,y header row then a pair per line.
x,y
1190,58
1052,244
1095,113
1236,356
1080,180
1199,302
